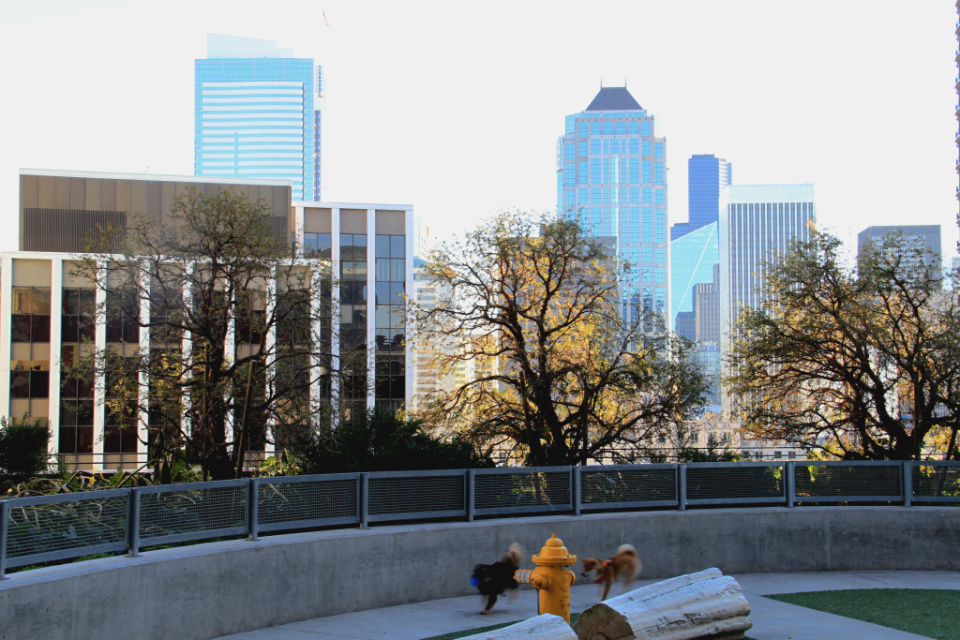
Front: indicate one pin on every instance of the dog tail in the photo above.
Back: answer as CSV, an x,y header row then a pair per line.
x,y
629,549
514,554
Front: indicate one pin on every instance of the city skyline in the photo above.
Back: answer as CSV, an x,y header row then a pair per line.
x,y
857,98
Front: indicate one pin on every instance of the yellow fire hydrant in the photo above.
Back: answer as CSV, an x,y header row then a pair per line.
x,y
550,579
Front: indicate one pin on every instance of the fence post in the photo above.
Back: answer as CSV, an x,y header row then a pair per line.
x,y
253,509
364,496
682,486
468,494
575,489
790,483
4,528
907,470
133,520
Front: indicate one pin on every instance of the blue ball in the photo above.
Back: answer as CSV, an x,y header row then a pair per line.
x,y
474,582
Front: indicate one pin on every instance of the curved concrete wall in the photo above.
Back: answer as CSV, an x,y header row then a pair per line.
x,y
205,591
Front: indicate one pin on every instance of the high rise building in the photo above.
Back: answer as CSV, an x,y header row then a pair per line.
x,y
257,115
48,309
694,245
708,178
757,225
611,174
693,257
923,237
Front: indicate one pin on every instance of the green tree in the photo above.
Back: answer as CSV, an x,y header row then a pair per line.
x,y
216,335
856,362
380,441
23,448
573,379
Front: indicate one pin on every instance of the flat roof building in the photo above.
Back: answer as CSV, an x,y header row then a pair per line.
x,y
48,311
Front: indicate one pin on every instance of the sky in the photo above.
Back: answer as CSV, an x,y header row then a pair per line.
x,y
456,107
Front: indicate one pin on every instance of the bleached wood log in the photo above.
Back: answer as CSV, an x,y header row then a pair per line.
x,y
706,604
544,627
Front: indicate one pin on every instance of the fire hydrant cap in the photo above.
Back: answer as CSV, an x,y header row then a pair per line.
x,y
554,553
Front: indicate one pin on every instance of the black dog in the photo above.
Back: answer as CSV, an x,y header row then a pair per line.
x,y
494,579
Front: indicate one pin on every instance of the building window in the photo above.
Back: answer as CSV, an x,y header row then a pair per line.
x,y
123,316
122,402
77,316
30,321
76,403
390,320
316,245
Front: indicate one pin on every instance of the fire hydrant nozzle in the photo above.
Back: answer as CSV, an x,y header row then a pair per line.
x,y
550,579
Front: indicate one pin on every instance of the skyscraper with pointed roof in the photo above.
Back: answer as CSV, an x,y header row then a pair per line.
x,y
611,174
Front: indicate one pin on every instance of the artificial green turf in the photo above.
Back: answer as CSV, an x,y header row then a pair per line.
x,y
934,613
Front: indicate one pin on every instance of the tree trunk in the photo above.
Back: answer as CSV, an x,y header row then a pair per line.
x,y
697,605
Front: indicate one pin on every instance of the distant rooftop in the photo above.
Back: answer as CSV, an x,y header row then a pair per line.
x,y
221,46
614,99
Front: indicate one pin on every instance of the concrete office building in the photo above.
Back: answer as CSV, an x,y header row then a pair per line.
x,y
47,311
611,173
257,114
922,237
757,225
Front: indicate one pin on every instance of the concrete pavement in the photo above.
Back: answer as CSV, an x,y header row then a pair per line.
x,y
772,620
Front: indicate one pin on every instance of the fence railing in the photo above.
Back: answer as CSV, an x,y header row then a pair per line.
x,y
61,527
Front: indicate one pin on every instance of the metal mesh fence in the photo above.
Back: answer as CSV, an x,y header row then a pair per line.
x,y
847,482
393,495
940,481
65,528
522,489
174,511
618,485
727,483
319,499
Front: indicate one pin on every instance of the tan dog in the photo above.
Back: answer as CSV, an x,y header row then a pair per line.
x,y
624,566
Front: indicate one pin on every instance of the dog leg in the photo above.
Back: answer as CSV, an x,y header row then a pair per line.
x,y
491,600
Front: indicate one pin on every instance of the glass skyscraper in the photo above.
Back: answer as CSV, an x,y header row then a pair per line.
x,y
257,114
611,173
708,178
693,258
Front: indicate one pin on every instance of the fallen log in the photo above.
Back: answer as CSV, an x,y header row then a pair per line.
x,y
543,627
704,605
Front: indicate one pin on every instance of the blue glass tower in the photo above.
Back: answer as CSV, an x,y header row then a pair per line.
x,y
708,178
255,114
611,173
693,257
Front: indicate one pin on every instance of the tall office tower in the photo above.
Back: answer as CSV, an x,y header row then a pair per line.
x,y
924,237
708,178
611,173
757,225
257,114
692,259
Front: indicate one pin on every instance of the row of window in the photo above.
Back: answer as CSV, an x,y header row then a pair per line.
x,y
641,126
613,147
